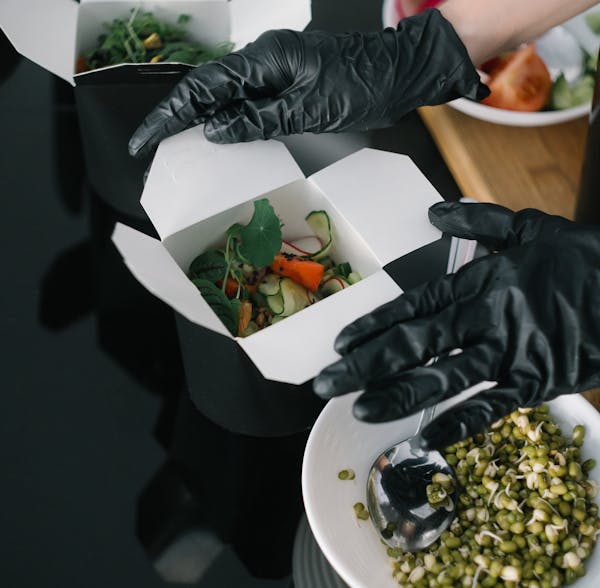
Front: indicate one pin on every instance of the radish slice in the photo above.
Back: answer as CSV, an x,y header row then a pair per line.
x,y
304,246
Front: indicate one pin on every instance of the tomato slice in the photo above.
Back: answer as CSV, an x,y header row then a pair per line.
x,y
518,81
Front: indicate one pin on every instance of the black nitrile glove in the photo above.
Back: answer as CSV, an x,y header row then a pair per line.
x,y
527,317
294,82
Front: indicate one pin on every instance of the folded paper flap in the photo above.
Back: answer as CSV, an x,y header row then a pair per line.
x,y
385,198
43,31
154,267
299,347
250,18
192,179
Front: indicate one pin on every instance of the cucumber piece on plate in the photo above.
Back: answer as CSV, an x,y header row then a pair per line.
x,y
318,221
354,277
560,97
565,95
593,22
582,90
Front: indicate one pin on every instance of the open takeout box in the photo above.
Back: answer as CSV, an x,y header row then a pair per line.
x,y
195,190
113,101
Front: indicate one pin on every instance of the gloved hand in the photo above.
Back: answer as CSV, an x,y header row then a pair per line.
x,y
527,317
293,82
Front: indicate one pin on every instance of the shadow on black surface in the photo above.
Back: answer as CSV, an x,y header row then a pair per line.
x,y
243,490
10,58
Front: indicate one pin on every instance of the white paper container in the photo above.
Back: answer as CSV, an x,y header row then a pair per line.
x,y
113,101
377,200
52,33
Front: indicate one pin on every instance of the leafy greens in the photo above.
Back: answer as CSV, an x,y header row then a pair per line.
x,y
142,38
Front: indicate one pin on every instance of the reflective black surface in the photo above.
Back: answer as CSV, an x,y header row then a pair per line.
x,y
110,475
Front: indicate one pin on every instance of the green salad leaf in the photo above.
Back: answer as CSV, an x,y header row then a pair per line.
x,y
227,310
143,38
261,238
210,265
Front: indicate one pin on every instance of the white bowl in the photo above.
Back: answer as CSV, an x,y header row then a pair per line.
x,y
576,27
338,441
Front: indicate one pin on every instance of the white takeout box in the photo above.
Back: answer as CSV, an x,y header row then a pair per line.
x,y
195,190
53,33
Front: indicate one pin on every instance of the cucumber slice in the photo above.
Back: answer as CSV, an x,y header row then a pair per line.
x,y
561,94
295,297
582,90
270,285
318,221
565,95
304,247
333,285
354,277
593,22
275,303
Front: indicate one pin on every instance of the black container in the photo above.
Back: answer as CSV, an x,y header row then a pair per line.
x,y
588,202
111,104
227,388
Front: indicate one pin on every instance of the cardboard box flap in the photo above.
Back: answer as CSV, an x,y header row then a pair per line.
x,y
192,179
385,197
249,18
299,347
43,31
153,266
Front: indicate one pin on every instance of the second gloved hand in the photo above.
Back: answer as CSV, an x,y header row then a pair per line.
x,y
527,317
294,82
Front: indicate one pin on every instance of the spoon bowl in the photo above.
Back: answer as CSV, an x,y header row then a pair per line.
x,y
397,483
397,497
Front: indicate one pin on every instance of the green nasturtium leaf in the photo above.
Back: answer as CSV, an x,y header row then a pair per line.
x,y
210,266
227,310
261,237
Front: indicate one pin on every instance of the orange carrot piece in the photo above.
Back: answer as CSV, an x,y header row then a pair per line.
x,y
231,287
306,272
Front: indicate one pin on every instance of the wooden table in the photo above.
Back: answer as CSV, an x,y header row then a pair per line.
x,y
517,167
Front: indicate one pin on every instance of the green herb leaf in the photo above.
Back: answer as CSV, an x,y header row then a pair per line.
x,y
227,310
124,42
343,270
210,266
261,237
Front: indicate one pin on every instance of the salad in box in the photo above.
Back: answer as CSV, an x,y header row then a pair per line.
x,y
257,278
60,32
199,195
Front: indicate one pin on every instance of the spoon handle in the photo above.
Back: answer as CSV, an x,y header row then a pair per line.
x,y
462,251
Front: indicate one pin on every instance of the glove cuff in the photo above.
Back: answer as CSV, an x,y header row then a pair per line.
x,y
441,67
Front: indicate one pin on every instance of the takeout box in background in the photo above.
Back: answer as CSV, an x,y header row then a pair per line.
x,y
113,101
195,190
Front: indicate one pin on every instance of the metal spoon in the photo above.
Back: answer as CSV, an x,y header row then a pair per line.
x,y
396,495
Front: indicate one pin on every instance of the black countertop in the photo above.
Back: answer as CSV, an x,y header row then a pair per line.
x,y
110,475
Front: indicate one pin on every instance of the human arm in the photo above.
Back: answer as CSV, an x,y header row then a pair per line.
x,y
491,27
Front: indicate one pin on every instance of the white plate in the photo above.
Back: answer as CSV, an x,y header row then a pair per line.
x,y
339,441
577,27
